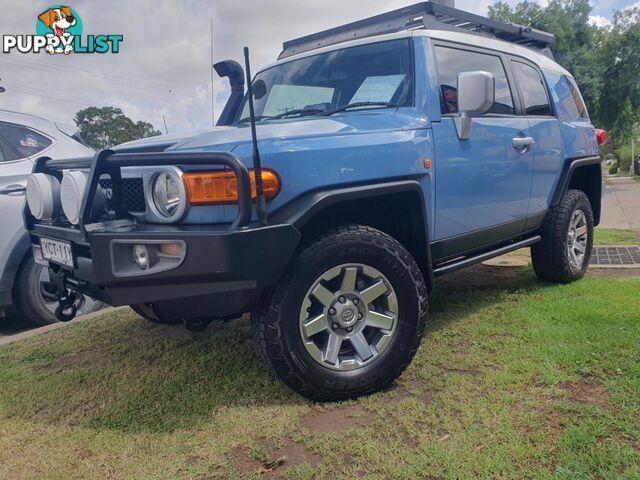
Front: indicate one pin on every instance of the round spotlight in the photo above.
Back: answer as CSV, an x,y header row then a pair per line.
x,y
169,196
43,195
71,192
140,256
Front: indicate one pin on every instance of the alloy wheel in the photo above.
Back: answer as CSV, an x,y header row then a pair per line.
x,y
349,317
577,238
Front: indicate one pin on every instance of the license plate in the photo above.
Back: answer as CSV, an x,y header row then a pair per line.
x,y
56,251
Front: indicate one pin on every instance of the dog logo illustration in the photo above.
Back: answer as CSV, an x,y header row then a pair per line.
x,y
59,20
59,30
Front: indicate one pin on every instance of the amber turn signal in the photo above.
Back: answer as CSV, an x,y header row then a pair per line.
x,y
214,188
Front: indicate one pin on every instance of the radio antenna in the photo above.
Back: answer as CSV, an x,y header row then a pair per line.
x,y
261,205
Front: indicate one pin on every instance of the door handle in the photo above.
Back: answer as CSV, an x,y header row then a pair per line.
x,y
523,143
14,190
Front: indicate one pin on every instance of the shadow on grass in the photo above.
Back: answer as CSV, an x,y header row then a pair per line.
x,y
121,372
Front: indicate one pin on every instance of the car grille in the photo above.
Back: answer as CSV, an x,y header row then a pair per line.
x,y
132,195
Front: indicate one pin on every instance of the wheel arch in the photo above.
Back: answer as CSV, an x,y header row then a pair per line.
x,y
396,208
16,259
583,174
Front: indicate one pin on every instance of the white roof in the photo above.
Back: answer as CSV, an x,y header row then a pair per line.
x,y
32,121
464,38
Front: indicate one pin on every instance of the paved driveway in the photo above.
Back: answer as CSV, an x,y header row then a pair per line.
x,y
621,204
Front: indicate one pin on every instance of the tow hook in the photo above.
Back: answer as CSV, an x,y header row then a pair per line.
x,y
67,300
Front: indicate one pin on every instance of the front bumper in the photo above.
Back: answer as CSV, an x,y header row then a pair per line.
x,y
224,272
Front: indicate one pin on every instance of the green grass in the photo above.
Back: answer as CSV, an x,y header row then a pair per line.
x,y
515,379
610,236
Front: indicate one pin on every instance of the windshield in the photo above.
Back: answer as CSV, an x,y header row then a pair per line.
x,y
376,75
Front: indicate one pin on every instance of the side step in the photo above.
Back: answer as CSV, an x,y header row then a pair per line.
x,y
468,261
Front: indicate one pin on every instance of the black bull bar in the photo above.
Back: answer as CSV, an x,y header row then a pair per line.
x,y
108,162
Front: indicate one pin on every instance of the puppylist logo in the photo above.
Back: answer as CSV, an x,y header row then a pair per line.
x,y
59,30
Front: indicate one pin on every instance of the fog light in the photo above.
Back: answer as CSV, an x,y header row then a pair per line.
x,y
72,190
141,256
43,195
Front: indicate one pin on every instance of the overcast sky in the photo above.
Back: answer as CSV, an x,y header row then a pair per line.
x,y
163,67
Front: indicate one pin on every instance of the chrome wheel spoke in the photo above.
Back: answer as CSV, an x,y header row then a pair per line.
x,y
349,280
316,325
361,346
333,349
379,320
373,292
579,247
575,220
580,231
574,258
324,296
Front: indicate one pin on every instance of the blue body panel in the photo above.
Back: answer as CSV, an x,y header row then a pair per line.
x,y
483,181
558,140
321,153
472,185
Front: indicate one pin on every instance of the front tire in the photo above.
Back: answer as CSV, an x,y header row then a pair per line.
x,y
347,317
35,299
564,253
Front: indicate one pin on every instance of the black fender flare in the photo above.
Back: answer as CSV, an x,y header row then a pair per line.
x,y
304,208
570,167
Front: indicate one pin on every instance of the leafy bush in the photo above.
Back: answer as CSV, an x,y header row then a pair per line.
x,y
623,155
613,169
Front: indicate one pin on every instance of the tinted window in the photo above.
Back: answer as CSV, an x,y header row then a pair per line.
x,y
8,153
534,91
378,72
24,141
566,96
452,62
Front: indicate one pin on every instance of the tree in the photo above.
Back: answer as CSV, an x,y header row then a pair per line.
x,y
105,127
620,99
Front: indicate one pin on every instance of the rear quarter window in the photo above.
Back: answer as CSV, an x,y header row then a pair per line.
x,y
569,103
23,140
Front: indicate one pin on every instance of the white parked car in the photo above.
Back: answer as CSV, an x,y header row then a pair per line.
x,y
24,286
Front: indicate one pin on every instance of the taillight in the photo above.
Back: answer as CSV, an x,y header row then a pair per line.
x,y
601,136
214,188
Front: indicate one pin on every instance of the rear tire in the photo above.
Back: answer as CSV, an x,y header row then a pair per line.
x,y
564,253
371,301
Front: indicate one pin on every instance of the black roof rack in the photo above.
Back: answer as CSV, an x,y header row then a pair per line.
x,y
424,15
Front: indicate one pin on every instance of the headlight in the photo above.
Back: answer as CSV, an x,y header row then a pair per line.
x,y
169,196
71,192
43,195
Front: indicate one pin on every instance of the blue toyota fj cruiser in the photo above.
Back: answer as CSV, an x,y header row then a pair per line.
x,y
379,155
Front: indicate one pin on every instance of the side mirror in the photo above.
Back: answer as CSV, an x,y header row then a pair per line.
x,y
259,89
476,96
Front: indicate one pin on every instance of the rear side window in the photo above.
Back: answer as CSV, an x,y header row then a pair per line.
x,y
534,91
452,61
569,103
23,140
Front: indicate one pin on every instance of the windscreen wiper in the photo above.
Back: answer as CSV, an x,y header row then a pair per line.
x,y
248,119
361,105
299,111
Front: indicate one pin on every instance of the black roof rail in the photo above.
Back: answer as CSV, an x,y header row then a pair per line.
x,y
424,15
